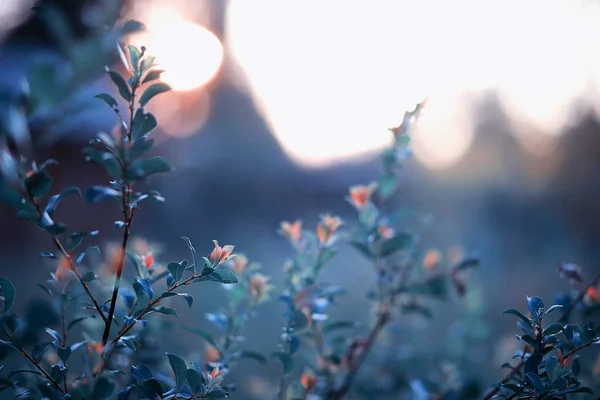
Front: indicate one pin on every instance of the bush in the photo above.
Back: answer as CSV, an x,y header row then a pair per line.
x,y
100,349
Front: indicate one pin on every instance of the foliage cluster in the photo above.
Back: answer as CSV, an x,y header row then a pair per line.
x,y
97,346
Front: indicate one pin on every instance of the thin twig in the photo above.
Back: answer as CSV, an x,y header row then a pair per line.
x,y
565,315
127,327
318,336
67,255
63,342
128,214
113,303
35,363
354,367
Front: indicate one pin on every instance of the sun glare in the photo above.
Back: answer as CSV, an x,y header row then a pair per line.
x,y
330,77
189,53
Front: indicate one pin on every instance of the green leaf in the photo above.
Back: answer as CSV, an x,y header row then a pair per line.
x,y
89,276
63,352
298,320
103,388
286,360
134,57
76,321
195,380
325,255
9,344
186,296
11,197
553,329
387,184
96,194
518,314
147,63
221,276
152,91
140,146
334,326
8,292
56,199
145,167
152,75
535,305
143,123
362,247
153,385
74,240
164,310
39,184
108,99
399,242
39,350
177,270
532,363
179,369
122,85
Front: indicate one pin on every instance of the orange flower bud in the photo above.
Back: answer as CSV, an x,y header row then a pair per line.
x,y
385,231
220,254
308,380
258,286
62,269
360,195
327,227
593,294
432,260
212,354
240,263
148,260
292,231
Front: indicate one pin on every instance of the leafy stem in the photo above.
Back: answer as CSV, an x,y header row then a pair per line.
x,y
128,213
68,256
149,307
35,363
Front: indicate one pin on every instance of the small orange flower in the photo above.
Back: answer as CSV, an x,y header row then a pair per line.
x,y
292,230
360,195
593,294
216,373
147,260
327,227
308,380
113,259
432,260
95,347
62,270
240,263
220,254
385,231
212,354
259,286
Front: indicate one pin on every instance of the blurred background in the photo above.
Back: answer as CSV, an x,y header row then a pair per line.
x,y
278,107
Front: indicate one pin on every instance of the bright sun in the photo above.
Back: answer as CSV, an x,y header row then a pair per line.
x,y
189,53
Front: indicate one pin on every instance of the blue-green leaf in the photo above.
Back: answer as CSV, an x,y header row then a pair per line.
x,y
9,293
122,85
152,91
108,99
179,369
